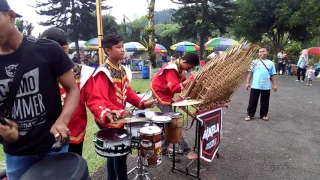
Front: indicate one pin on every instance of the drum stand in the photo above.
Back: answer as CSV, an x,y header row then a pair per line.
x,y
196,147
142,172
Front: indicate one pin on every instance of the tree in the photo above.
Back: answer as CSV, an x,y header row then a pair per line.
x,y
135,29
108,22
168,34
198,17
24,27
151,32
70,15
278,21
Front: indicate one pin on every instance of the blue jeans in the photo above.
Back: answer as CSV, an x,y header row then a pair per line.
x,y
117,168
18,165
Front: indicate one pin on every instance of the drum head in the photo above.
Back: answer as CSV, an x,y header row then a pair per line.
x,y
60,166
113,134
161,119
174,115
150,130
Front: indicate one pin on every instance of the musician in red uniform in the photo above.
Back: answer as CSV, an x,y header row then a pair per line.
x,y
83,76
112,81
168,81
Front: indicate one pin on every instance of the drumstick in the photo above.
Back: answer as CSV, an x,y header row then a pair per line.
x,y
139,101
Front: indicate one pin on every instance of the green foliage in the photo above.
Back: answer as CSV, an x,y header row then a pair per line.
x,y
24,26
198,18
71,15
278,21
293,50
163,16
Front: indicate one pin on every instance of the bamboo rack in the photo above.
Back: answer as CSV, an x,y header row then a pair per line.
x,y
217,81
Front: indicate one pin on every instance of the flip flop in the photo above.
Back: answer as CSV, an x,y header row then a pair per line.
x,y
265,118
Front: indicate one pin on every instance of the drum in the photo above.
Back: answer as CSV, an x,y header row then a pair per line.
x,y
60,166
112,142
134,129
151,146
161,121
173,131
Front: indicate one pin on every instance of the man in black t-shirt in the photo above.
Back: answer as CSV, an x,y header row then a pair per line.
x,y
36,117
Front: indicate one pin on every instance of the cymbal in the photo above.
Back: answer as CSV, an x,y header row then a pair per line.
x,y
130,120
187,102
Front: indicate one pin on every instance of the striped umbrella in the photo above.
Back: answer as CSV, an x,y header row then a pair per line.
x,y
219,44
93,42
134,46
160,49
314,50
185,46
82,45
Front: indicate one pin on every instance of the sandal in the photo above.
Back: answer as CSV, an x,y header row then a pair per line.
x,y
265,118
248,118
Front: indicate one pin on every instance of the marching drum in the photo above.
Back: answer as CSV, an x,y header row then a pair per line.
x,y
173,131
60,166
151,146
112,142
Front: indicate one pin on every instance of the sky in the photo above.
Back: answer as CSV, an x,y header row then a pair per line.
x,y
131,8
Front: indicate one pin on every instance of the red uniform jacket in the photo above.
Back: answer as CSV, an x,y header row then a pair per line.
x,y
166,83
78,122
113,84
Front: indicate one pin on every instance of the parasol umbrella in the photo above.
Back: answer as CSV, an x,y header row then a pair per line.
x,y
92,42
82,45
219,44
160,49
134,46
314,50
185,46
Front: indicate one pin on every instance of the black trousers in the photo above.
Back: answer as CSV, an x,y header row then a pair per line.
x,y
253,102
281,67
76,148
303,71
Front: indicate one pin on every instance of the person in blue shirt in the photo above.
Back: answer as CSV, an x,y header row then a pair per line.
x,y
261,79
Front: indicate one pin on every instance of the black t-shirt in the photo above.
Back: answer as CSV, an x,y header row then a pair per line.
x,y
38,104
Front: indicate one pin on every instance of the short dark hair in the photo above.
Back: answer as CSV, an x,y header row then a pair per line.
x,y
192,58
263,47
110,40
56,34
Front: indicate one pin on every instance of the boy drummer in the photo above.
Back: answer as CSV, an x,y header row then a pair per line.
x,y
169,80
112,81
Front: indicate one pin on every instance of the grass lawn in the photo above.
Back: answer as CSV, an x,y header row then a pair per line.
x,y
95,161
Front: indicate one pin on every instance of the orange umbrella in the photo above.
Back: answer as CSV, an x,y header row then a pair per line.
x,y
314,50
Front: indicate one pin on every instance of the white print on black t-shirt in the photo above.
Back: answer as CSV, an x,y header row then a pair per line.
x,y
11,70
28,109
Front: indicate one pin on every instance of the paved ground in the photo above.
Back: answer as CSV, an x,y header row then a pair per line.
x,y
285,147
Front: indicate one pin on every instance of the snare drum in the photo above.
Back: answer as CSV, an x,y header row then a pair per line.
x,y
151,146
60,166
161,121
112,142
134,129
173,131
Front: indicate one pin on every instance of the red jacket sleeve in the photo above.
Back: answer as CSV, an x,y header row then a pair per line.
x,y
172,78
134,99
95,102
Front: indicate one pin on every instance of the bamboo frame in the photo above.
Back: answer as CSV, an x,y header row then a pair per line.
x,y
100,31
218,80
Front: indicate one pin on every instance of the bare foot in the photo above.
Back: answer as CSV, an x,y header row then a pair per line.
x,y
248,118
265,118
191,155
